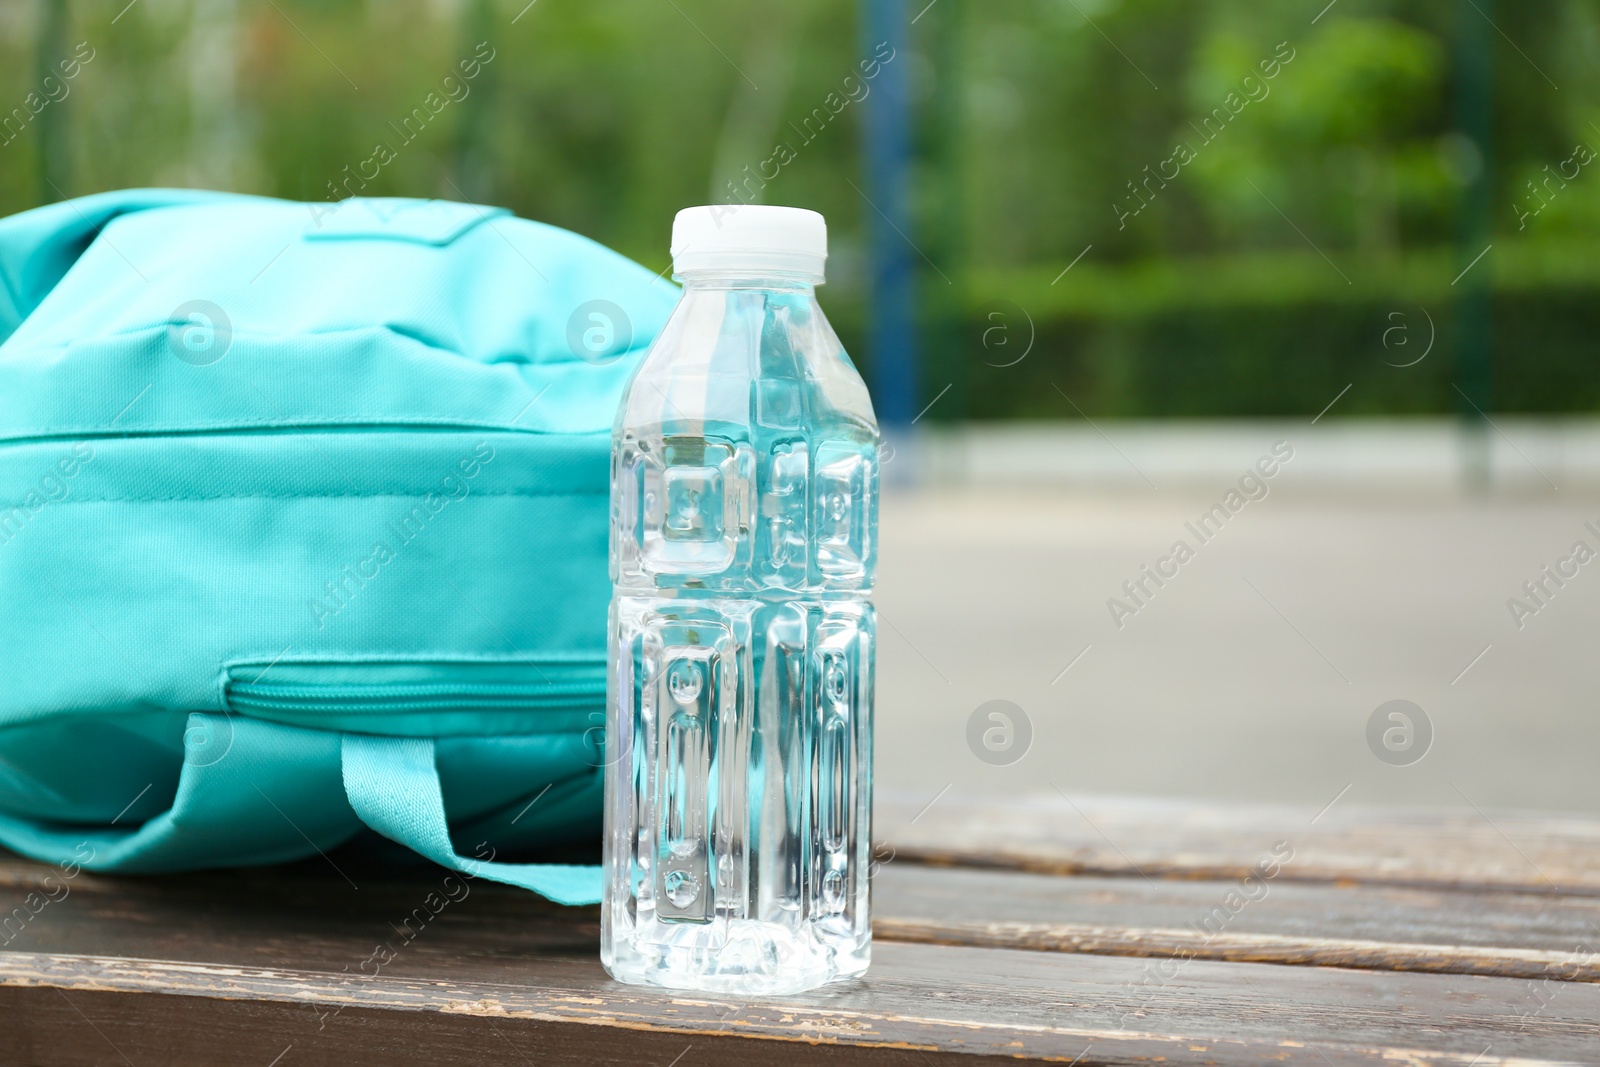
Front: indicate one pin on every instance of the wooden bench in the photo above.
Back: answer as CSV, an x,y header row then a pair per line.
x,y
1057,930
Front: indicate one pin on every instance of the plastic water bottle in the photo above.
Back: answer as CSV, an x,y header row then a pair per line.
x,y
744,509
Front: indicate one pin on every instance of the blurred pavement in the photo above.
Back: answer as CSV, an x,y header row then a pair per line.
x,y
1251,674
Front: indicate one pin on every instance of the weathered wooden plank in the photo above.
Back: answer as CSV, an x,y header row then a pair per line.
x,y
257,961
1247,948
1516,935
1506,934
1442,848
924,1000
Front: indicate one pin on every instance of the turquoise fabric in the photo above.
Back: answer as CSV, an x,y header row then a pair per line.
x,y
394,787
303,518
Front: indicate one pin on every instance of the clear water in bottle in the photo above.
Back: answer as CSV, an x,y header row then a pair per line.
x,y
743,544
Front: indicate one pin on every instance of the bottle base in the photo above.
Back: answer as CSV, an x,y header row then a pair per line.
x,y
734,956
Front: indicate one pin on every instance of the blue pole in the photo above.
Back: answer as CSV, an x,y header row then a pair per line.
x,y
886,129
1475,344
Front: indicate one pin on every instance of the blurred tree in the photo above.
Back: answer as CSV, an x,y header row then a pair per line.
x,y
1340,139
607,117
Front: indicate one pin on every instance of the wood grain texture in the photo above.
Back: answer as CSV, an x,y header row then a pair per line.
x,y
1515,935
234,968
1246,948
1420,938
920,1002
1443,848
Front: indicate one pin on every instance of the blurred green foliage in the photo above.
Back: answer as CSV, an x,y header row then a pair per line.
x,y
1311,205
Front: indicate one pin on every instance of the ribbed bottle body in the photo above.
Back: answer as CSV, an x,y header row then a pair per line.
x,y
739,727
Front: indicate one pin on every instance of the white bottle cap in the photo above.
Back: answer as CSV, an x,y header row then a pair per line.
x,y
755,237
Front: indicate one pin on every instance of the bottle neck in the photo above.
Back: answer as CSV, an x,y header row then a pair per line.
x,y
765,280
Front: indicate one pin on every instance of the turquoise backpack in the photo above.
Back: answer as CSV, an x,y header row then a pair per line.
x,y
303,520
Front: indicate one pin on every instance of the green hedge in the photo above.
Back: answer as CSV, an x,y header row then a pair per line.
x,y
1263,336
1215,362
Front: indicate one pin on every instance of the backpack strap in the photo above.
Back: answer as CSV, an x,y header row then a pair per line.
x,y
393,785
